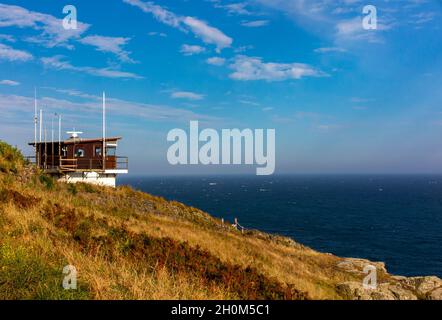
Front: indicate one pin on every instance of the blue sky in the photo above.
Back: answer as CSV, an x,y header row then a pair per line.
x,y
342,99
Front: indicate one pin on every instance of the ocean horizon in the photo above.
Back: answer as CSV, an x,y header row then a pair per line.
x,y
394,218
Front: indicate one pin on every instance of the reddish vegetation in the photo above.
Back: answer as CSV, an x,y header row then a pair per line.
x,y
20,200
177,257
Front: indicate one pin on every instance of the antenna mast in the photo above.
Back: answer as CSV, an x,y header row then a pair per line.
x,y
59,140
35,117
39,146
103,152
35,125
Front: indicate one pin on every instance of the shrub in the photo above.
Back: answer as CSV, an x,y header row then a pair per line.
x,y
11,159
47,181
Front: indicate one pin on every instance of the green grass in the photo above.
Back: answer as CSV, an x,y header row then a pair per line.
x,y
24,275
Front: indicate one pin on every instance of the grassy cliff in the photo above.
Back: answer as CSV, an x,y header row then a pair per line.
x,y
126,244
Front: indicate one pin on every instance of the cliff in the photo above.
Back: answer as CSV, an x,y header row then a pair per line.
x,y
126,244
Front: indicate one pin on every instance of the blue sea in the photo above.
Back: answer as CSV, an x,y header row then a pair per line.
x,y
395,219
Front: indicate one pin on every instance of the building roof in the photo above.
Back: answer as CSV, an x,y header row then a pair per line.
x,y
79,141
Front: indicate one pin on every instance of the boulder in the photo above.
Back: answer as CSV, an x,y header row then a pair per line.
x,y
354,265
385,291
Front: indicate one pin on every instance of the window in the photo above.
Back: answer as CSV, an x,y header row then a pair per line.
x,y
111,151
79,153
98,151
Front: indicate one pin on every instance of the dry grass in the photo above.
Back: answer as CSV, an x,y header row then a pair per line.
x,y
130,245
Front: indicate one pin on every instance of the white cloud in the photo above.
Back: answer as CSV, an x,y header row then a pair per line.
x,y
255,24
14,106
330,49
51,29
57,62
253,68
239,8
159,34
199,28
207,33
186,95
216,61
250,103
7,37
189,50
10,54
349,27
109,44
9,83
161,14
74,93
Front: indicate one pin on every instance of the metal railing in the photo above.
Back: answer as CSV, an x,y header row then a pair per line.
x,y
122,163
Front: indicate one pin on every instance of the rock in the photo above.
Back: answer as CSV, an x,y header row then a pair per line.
x,y
401,293
392,287
436,294
424,287
357,265
353,291
384,291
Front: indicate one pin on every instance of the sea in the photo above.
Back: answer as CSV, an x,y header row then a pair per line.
x,y
396,219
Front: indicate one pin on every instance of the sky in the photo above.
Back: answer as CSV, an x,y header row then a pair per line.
x,y
341,98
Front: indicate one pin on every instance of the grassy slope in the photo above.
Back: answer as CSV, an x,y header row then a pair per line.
x,y
127,244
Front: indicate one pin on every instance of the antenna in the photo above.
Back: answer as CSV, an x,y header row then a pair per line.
x,y
41,123
103,152
41,132
52,141
59,127
35,118
37,160
59,140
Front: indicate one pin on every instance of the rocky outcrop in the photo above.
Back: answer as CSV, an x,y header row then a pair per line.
x,y
387,287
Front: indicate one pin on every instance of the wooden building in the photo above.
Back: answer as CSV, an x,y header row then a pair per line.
x,y
81,160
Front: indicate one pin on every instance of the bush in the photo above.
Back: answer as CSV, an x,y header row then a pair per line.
x,y
11,159
47,181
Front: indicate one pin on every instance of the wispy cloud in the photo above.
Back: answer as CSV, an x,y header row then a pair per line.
x,y
58,63
159,34
255,23
9,83
207,33
10,54
186,95
216,61
330,49
189,50
109,44
239,8
7,37
199,28
51,31
13,106
253,68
